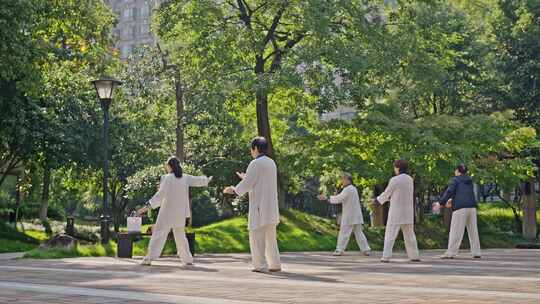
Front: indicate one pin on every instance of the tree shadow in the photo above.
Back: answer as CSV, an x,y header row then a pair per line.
x,y
300,277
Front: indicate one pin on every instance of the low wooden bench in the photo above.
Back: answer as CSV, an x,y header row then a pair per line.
x,y
125,243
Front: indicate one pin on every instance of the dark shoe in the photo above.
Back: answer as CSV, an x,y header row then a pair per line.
x,y
275,270
477,256
415,260
447,257
259,270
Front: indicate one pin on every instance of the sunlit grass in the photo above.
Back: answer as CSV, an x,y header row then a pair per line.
x,y
94,250
38,235
299,231
12,240
15,246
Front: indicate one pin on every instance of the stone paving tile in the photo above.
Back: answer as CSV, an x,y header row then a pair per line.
x,y
27,297
502,276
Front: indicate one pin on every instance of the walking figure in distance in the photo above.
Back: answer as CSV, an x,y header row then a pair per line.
x,y
351,216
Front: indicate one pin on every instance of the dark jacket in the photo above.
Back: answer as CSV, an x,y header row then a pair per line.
x,y
461,191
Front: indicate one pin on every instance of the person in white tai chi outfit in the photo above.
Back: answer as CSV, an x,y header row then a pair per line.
x,y
400,193
351,217
459,196
173,200
260,181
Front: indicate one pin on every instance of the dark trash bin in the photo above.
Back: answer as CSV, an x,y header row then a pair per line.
x,y
125,245
70,226
12,217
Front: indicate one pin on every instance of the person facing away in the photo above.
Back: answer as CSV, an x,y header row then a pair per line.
x,y
173,200
260,181
400,193
351,217
459,196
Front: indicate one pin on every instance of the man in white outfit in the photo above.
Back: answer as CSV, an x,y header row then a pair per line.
x,y
400,193
351,217
260,181
459,196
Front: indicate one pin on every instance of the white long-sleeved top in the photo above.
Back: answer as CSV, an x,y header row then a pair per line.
x,y
400,193
261,183
173,198
352,211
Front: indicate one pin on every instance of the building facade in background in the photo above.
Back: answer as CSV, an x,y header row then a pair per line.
x,y
341,112
134,24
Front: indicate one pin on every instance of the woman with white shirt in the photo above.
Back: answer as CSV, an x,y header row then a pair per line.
x,y
173,200
351,217
400,193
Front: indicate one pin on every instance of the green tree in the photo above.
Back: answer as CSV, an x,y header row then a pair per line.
x,y
515,28
77,37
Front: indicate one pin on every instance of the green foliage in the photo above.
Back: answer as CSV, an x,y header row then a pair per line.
x,y
15,246
9,233
79,251
515,28
432,82
299,231
12,240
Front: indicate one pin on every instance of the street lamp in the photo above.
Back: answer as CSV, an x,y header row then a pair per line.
x,y
105,87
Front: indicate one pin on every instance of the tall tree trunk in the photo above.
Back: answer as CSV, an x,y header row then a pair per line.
x,y
377,219
179,98
117,219
17,201
263,121
506,197
529,210
261,98
179,95
45,192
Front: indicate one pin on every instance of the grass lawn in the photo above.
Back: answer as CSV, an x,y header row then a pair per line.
x,y
12,240
300,231
297,231
80,251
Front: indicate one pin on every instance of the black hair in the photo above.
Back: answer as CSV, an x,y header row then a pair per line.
x,y
260,143
174,163
462,168
402,165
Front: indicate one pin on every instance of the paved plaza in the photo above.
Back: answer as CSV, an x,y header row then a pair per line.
x,y
502,276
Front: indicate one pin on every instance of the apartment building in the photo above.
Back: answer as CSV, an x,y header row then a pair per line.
x,y
134,24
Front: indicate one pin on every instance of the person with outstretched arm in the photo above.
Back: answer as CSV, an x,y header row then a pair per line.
x,y
173,200
260,181
459,196
400,193
351,218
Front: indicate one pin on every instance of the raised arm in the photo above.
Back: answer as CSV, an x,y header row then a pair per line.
x,y
248,182
449,193
387,194
198,181
338,199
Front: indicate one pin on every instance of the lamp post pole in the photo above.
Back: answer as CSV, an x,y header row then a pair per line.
x,y
105,89
105,216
